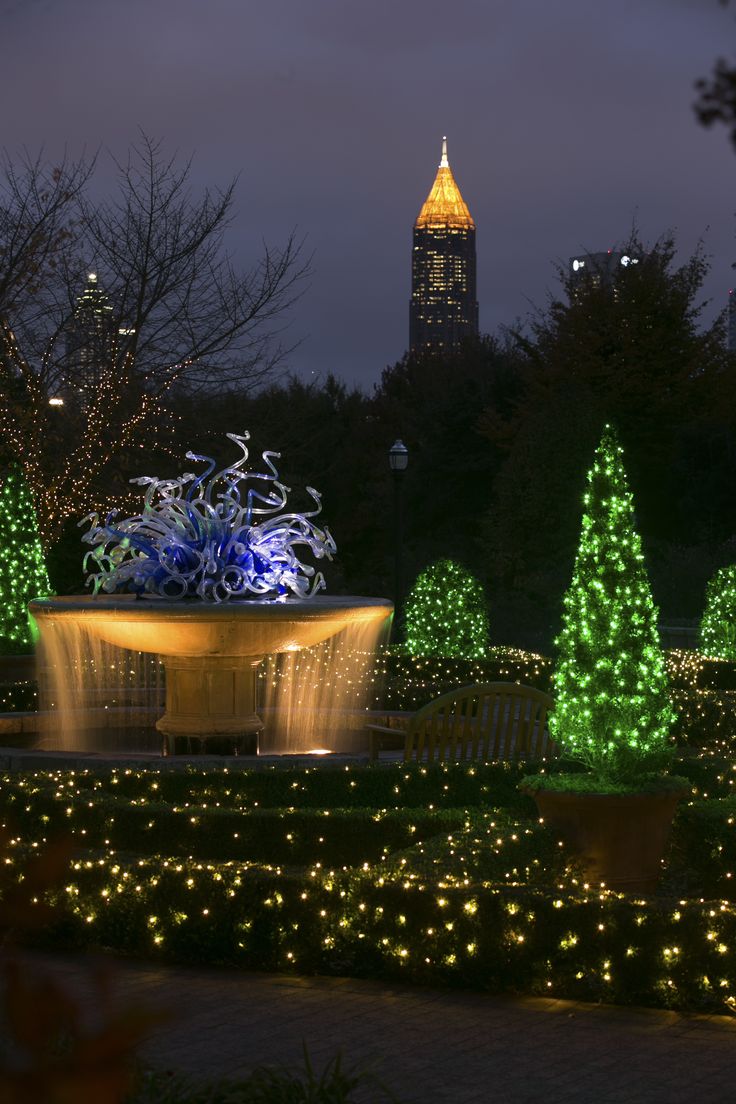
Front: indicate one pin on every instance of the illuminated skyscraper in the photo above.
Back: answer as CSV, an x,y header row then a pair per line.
x,y
597,270
90,339
444,307
94,344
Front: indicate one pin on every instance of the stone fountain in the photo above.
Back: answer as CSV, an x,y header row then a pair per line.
x,y
208,578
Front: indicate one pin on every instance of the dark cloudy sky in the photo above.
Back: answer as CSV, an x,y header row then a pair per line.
x,y
567,119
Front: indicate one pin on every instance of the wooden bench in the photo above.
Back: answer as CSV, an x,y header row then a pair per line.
x,y
495,720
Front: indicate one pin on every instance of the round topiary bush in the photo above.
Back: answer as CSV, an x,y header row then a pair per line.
x,y
718,625
446,613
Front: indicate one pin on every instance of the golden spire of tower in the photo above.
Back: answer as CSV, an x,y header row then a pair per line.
x,y
444,206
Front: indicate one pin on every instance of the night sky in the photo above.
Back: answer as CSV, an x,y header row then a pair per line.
x,y
567,120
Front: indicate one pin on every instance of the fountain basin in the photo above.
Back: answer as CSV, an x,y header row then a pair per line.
x,y
193,628
210,651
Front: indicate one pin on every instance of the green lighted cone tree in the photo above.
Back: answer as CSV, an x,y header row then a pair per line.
x,y
612,709
23,573
446,613
718,626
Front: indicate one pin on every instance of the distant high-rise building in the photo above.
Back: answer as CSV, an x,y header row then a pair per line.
x,y
90,339
597,270
444,306
93,344
731,321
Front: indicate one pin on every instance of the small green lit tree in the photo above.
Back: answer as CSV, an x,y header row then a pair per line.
x,y
718,625
612,710
446,613
23,573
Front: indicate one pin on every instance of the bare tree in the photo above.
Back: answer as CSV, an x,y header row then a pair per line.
x,y
85,378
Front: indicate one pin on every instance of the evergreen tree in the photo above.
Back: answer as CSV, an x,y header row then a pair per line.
x,y
446,613
23,574
718,625
612,711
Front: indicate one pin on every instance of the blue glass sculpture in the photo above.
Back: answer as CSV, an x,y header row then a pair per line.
x,y
208,537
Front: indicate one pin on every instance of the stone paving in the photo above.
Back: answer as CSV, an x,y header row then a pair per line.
x,y
428,1046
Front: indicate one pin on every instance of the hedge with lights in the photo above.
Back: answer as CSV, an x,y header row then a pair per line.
x,y
414,786
491,903
612,708
703,849
19,697
445,613
23,573
703,695
717,636
564,941
408,682
297,836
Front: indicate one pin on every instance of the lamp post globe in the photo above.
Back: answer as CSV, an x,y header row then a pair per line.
x,y
398,456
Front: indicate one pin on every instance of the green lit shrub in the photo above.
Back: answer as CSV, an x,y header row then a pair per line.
x,y
717,636
23,573
612,710
446,613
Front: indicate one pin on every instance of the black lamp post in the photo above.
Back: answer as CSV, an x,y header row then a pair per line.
x,y
398,458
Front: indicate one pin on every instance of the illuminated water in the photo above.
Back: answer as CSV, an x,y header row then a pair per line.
x,y
99,697
96,696
316,698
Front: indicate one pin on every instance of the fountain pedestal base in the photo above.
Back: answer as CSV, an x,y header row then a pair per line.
x,y
210,705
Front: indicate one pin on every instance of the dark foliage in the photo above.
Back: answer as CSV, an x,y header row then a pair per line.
x,y
716,101
632,353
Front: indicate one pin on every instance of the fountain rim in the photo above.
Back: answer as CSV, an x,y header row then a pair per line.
x,y
130,607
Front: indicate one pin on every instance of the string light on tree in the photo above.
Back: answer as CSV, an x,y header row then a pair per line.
x,y
718,626
613,711
23,573
446,613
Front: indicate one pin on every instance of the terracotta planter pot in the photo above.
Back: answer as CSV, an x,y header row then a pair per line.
x,y
620,838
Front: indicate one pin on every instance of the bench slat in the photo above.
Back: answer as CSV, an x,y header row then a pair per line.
x,y
490,721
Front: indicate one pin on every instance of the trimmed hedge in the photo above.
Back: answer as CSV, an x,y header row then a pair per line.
x,y
702,855
295,837
18,697
474,896
408,682
453,785
564,943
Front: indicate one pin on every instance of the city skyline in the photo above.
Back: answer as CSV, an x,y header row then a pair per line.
x,y
569,126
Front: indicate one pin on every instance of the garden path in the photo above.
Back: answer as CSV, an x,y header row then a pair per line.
x,y
429,1046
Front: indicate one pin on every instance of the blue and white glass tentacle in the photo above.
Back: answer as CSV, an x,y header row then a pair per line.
x,y
200,536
